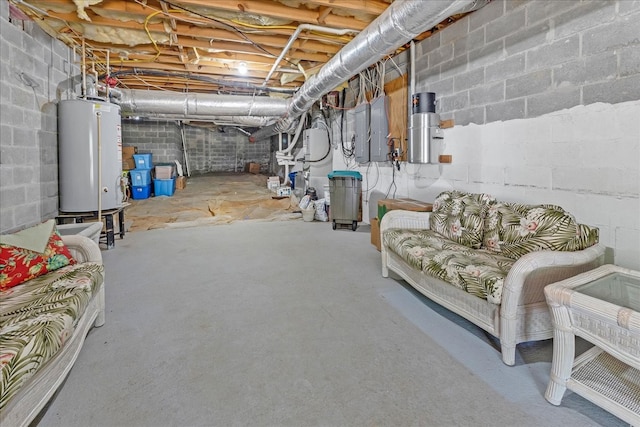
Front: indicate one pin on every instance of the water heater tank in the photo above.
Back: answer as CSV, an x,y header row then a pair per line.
x,y
89,155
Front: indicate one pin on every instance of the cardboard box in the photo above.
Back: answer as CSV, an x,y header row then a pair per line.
x,y
128,164
375,233
273,182
386,205
254,168
127,158
128,152
181,182
284,191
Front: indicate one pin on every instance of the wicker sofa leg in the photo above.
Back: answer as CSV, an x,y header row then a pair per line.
x,y
508,354
385,269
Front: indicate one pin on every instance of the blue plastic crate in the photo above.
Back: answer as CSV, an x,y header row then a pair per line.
x,y
140,192
143,161
140,177
164,187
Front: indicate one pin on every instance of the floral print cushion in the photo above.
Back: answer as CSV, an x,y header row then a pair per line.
x,y
411,245
514,230
18,264
476,271
37,317
460,216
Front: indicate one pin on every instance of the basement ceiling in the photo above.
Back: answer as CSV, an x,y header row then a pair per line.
x,y
202,46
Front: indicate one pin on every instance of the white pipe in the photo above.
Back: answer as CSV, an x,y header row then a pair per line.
x,y
95,77
99,119
293,38
108,71
410,90
279,160
84,69
294,141
184,150
36,9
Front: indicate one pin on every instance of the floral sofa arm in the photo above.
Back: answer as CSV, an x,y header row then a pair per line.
x,y
82,248
526,280
407,220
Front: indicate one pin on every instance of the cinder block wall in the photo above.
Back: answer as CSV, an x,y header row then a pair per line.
x,y
211,150
33,72
545,96
522,59
208,149
161,138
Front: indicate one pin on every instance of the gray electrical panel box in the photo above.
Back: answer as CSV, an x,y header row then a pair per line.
x,y
362,121
378,148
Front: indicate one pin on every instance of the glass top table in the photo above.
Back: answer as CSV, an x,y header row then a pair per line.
x,y
617,288
601,306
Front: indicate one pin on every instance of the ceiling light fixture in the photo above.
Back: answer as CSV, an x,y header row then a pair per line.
x,y
242,68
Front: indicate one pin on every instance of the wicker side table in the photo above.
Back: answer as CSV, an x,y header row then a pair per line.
x,y
603,307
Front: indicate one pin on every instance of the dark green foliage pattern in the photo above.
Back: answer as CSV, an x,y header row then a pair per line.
x,y
37,317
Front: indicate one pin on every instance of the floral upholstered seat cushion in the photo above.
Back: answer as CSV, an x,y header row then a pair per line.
x,y
37,317
460,216
478,272
412,245
514,230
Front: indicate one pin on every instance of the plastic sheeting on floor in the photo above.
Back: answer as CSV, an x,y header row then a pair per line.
x,y
212,199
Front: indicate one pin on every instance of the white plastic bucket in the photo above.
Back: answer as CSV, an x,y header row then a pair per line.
x,y
308,214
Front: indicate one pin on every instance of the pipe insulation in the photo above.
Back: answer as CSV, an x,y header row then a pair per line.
x,y
187,105
398,24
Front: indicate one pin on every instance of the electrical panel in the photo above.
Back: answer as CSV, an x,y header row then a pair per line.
x,y
378,148
362,120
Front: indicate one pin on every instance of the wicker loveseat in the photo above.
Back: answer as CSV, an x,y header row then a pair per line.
x,y
489,261
44,320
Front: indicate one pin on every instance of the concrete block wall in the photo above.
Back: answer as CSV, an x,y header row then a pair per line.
x,y
522,59
545,96
161,138
32,69
208,148
211,150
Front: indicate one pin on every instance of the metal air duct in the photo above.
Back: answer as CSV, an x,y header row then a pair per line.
x,y
252,121
188,105
398,24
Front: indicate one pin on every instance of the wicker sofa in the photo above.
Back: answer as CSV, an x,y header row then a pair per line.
x,y
43,324
489,261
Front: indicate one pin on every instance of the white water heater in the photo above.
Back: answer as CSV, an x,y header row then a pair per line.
x,y
424,127
318,156
89,155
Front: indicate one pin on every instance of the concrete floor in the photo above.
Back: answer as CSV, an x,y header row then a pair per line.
x,y
289,323
267,320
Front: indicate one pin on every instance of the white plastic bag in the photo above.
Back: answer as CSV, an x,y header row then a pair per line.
x,y
321,211
304,202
